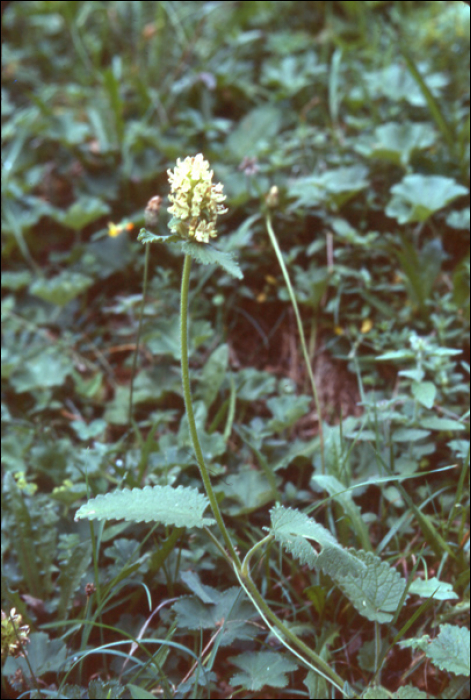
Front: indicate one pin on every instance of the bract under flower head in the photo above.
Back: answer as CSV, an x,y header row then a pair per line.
x,y
196,202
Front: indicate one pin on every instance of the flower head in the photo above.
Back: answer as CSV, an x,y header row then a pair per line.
x,y
196,202
14,634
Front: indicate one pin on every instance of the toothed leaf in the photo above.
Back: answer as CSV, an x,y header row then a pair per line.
x,y
206,254
181,506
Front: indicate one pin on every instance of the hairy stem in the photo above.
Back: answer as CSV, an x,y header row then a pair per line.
x,y
191,416
282,632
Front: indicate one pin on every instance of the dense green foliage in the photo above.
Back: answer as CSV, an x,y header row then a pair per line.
x,y
340,131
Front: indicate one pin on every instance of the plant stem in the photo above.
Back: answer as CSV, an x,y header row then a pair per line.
x,y
307,360
139,328
190,414
242,570
320,665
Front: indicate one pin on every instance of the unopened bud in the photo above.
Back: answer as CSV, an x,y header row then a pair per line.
x,y
273,197
152,213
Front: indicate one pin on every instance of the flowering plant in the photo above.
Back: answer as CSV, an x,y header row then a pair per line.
x,y
14,634
196,201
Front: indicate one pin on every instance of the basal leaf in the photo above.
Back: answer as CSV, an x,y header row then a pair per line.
x,y
450,650
373,587
181,506
293,529
288,521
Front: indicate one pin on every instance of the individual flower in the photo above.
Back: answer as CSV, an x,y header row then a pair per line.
x,y
14,634
196,201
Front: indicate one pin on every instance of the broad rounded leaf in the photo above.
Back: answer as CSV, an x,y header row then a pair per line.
x,y
417,197
450,650
82,212
62,288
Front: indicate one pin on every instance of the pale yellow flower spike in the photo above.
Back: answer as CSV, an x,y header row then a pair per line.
x,y
196,201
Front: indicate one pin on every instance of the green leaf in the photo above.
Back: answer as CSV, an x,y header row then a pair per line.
x,y
440,590
343,496
249,489
138,693
289,521
377,692
260,669
213,374
145,236
164,339
425,393
16,280
45,655
229,606
396,142
102,690
396,355
333,187
407,692
417,197
207,594
450,650
255,131
409,435
292,528
373,587
81,213
460,448
459,219
181,506
435,423
253,384
47,368
206,254
74,557
62,288
287,410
